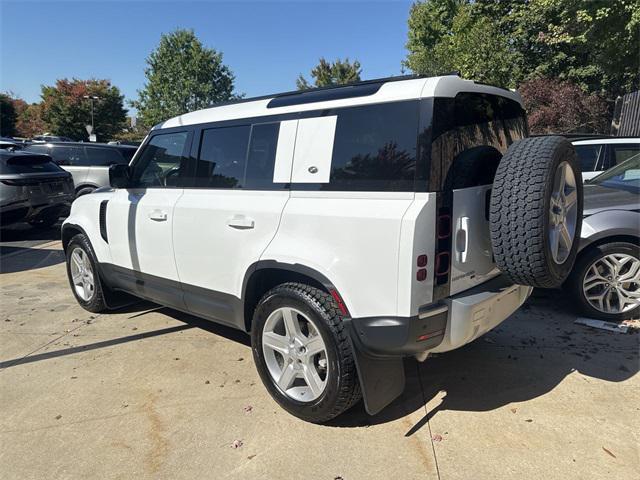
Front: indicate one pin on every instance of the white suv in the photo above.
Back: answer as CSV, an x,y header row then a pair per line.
x,y
344,228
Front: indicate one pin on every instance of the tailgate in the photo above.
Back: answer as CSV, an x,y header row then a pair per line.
x,y
471,254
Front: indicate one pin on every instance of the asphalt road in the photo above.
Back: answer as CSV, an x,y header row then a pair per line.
x,y
149,392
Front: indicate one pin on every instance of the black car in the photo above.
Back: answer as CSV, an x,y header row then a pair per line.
x,y
32,189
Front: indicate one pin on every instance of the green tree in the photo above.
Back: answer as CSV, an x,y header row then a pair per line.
x,y
326,74
592,43
66,111
8,116
182,76
446,36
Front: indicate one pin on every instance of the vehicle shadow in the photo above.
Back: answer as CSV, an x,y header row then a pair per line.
x,y
20,259
524,358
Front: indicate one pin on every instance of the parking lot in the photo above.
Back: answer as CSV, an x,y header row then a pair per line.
x,y
147,392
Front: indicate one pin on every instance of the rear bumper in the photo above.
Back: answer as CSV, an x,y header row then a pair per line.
x,y
27,210
442,327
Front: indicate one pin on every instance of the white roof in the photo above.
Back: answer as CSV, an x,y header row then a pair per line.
x,y
390,91
600,141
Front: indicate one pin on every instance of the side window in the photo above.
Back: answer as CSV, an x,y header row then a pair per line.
x,y
588,156
103,157
261,157
623,151
160,163
222,159
38,149
374,148
73,156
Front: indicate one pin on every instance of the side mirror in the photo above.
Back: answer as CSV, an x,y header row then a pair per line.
x,y
119,176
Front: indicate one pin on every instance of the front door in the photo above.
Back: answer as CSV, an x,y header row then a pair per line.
x,y
140,221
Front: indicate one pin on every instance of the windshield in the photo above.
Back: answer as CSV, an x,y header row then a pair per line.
x,y
626,175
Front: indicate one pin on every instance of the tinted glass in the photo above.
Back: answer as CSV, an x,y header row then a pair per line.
x,y
37,149
160,162
588,156
262,155
22,165
68,155
100,157
222,159
622,152
374,148
470,135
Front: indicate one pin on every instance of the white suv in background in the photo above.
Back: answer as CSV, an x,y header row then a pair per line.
x,y
344,228
597,154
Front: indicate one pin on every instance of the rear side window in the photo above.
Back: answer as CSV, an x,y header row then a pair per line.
x,y
102,157
622,152
74,156
374,148
588,156
261,157
222,159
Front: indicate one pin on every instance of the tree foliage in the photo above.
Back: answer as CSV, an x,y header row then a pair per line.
x,y
326,74
8,116
560,106
30,122
66,112
593,43
182,76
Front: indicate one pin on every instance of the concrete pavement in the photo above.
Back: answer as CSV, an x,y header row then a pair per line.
x,y
154,393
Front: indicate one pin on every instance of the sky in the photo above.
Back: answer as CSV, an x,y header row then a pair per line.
x,y
266,44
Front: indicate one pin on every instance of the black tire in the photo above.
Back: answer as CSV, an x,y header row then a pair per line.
x,y
520,211
96,303
343,388
586,259
84,191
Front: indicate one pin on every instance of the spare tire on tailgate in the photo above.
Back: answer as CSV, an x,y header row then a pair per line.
x,y
536,211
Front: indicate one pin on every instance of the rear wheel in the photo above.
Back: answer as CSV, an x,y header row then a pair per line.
x,y
536,211
606,281
303,354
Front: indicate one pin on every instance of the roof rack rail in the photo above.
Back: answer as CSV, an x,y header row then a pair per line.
x,y
312,92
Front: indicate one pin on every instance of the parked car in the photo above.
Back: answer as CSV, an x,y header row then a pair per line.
x,y
344,228
599,153
6,143
32,189
606,278
88,162
50,138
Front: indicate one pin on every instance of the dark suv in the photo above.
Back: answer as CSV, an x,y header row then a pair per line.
x,y
33,189
88,162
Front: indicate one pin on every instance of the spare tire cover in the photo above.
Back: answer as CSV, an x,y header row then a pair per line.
x,y
536,211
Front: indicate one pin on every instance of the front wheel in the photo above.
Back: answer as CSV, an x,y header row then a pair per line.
x,y
302,352
606,281
83,275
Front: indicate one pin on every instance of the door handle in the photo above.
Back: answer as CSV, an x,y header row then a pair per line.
x,y
462,239
158,215
241,222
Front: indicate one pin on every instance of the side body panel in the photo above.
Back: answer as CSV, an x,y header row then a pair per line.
x,y
351,238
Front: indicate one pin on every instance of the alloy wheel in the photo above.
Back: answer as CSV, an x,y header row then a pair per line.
x,y
295,354
82,274
612,283
563,213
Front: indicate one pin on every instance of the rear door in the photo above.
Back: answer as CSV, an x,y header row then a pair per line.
x,y
228,214
481,129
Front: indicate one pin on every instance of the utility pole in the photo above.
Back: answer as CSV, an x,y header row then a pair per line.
x,y
92,98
